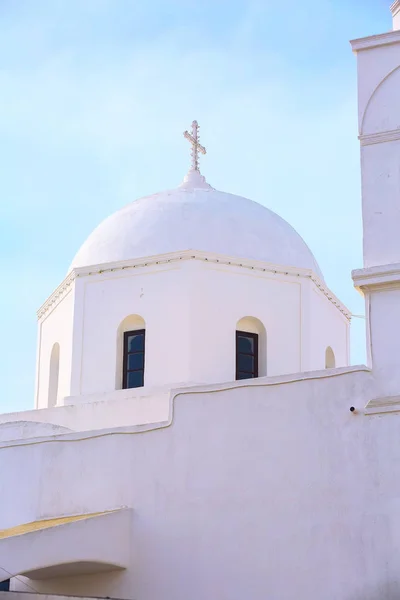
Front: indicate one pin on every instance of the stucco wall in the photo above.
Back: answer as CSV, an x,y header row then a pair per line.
x,y
55,327
396,20
381,208
378,102
221,296
160,296
378,62
373,66
99,411
334,332
261,491
190,310
383,311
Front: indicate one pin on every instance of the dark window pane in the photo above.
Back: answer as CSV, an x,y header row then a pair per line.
x,y
245,344
135,342
134,379
245,363
245,375
135,361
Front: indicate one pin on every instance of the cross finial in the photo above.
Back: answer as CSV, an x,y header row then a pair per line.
x,y
194,139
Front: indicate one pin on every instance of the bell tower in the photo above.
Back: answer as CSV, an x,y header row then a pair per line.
x,y
378,63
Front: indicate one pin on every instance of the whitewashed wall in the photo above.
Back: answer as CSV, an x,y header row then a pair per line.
x,y
160,296
378,61
384,319
55,327
328,329
379,120
221,297
273,491
99,411
190,309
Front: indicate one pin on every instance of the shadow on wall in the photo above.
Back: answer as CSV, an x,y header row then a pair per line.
x,y
54,372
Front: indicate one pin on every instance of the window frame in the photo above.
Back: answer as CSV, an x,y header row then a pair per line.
x,y
255,337
126,354
5,585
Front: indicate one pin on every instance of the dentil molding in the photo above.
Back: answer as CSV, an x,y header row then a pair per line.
x,y
186,255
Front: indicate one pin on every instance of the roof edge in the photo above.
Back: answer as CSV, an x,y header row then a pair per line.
x,y
164,259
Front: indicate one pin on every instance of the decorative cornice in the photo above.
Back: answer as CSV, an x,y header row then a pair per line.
x,y
395,8
165,259
377,278
331,296
56,296
378,138
374,41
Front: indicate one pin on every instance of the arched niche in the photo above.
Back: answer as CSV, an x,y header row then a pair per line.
x,y
254,325
130,323
54,375
330,361
381,113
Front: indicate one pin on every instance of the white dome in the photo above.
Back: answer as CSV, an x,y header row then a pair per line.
x,y
195,217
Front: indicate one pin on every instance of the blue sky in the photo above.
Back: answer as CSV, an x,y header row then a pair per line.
x,y
95,94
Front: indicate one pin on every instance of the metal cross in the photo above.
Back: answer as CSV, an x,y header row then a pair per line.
x,y
194,138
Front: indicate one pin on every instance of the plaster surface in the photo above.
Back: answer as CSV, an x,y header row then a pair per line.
x,y
378,62
56,327
246,484
195,218
99,411
281,487
190,307
67,546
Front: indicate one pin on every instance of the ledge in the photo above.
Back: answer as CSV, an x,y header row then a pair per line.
x,y
274,380
65,546
87,434
369,139
377,406
374,41
377,278
104,411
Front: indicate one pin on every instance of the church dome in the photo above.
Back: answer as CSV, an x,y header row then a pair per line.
x,y
195,216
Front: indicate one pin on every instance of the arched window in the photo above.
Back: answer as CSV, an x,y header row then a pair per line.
x,y
5,585
131,353
330,362
251,349
133,371
53,375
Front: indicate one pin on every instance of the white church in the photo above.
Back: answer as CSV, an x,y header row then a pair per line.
x,y
198,432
